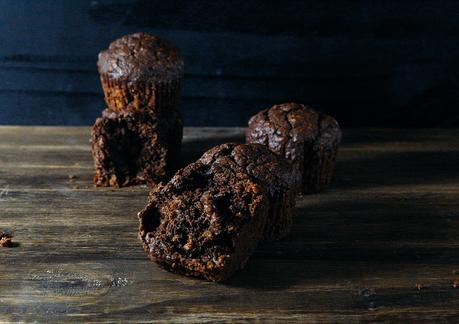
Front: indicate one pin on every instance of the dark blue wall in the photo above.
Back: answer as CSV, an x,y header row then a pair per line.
x,y
369,63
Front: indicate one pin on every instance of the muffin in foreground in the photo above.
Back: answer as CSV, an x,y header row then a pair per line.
x,y
273,173
299,133
205,222
141,71
135,147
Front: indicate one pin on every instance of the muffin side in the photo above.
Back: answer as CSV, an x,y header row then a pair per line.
x,y
272,172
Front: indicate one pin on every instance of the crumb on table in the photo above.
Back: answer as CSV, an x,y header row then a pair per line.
x,y
420,286
6,239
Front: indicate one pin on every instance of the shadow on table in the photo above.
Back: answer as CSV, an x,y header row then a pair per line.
x,y
338,241
365,170
397,169
377,136
348,231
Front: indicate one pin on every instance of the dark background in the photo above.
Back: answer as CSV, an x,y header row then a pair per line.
x,y
368,63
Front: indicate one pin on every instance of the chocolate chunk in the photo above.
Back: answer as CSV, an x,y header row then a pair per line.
x,y
6,239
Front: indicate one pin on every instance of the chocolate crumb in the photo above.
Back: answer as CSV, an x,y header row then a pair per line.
x,y
420,286
6,239
72,177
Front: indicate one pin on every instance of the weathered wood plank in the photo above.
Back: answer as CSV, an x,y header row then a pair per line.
x,y
358,252
369,64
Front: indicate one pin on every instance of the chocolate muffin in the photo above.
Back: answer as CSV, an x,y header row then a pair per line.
x,y
135,147
273,173
141,71
205,222
308,138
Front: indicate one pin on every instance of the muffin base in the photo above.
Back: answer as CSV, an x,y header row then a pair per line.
x,y
132,148
319,163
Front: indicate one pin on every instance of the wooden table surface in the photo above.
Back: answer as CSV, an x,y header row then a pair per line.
x,y
381,244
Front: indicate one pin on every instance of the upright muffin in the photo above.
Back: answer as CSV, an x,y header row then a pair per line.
x,y
141,71
273,173
135,147
308,138
205,222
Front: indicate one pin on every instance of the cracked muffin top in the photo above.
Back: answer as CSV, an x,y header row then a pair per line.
x,y
287,128
141,56
275,173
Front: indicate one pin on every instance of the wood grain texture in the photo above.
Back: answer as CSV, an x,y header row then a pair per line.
x,y
380,245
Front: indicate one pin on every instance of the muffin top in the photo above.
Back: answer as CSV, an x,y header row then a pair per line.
x,y
141,56
273,172
286,127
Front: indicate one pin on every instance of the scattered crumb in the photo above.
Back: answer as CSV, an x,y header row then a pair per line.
x,y
367,292
72,176
420,286
455,284
113,181
6,239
